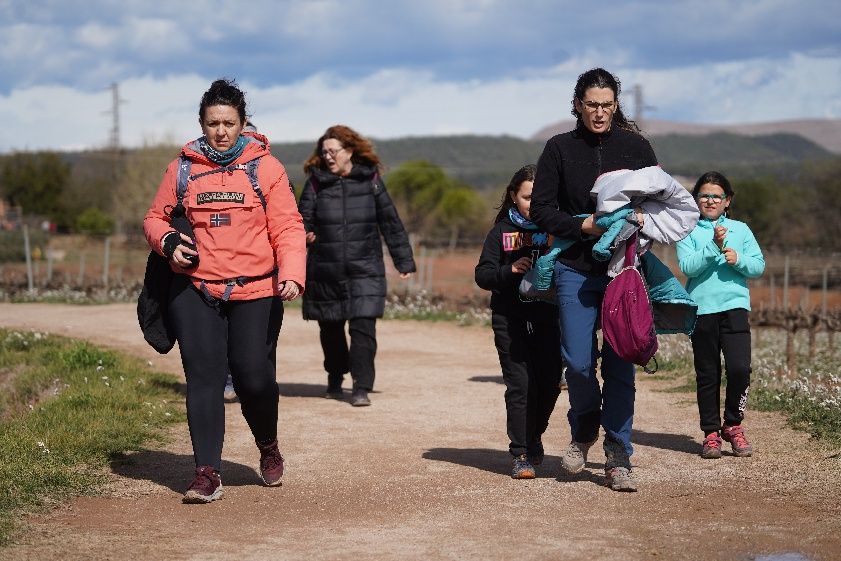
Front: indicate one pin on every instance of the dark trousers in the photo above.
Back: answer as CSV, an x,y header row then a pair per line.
x,y
212,336
358,358
726,333
531,369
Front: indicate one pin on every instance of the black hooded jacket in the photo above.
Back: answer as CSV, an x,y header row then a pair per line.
x,y
345,269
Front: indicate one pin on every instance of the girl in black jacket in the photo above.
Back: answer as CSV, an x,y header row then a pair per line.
x,y
346,208
525,333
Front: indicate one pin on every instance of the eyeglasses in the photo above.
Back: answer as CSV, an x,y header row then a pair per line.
x,y
331,153
714,197
593,106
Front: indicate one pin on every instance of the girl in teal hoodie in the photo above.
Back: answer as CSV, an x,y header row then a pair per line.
x,y
718,257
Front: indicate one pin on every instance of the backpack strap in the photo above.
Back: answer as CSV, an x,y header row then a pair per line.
x,y
251,171
184,165
631,250
184,177
375,182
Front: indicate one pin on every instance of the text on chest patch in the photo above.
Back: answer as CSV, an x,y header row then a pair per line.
x,y
220,197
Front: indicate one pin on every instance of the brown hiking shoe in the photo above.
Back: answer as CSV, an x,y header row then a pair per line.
x,y
620,479
735,435
205,488
271,463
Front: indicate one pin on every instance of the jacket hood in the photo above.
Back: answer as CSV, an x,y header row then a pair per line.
x,y
359,172
257,147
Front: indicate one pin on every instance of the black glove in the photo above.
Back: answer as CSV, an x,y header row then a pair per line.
x,y
171,241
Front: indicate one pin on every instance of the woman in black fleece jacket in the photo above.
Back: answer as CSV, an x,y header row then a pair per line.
x,y
525,333
603,140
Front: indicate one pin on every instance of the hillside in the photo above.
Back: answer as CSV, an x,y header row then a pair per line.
x,y
487,162
481,161
823,132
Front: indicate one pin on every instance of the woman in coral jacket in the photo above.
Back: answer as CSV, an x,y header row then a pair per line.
x,y
227,309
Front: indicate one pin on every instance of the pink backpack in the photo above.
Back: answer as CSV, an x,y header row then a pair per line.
x,y
627,320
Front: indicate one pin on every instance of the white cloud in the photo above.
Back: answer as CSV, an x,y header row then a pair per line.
x,y
96,36
156,36
402,102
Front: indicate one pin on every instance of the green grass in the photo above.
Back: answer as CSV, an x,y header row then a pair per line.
x,y
811,401
67,409
803,413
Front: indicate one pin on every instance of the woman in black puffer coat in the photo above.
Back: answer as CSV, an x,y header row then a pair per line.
x,y
346,208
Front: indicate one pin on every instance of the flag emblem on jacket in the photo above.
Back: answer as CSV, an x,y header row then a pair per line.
x,y
220,219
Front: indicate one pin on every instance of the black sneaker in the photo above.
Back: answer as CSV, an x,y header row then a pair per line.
x,y
359,398
521,468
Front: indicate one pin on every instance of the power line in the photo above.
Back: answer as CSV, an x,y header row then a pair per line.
x,y
114,135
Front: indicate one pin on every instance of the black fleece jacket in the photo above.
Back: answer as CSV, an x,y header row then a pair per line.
x,y
504,244
567,170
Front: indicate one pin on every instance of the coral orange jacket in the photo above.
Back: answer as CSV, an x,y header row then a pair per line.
x,y
235,237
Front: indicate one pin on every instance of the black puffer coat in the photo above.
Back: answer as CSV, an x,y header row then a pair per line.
x,y
345,269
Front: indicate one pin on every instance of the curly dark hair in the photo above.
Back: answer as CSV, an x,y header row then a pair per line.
x,y
601,78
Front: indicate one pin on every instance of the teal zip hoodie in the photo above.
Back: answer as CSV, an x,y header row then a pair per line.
x,y
712,283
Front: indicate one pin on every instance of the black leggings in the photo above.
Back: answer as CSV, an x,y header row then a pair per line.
x,y
358,359
723,333
213,336
530,358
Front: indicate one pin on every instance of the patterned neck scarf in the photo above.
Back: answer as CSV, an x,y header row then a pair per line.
x,y
518,219
226,157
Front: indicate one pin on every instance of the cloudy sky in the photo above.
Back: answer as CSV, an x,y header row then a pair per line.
x,y
403,68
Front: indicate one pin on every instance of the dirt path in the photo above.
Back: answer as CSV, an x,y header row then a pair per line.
x,y
422,474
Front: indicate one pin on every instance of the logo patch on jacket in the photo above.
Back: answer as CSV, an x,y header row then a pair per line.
x,y
220,197
512,241
220,219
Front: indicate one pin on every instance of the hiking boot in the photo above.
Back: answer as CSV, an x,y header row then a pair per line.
x,y
620,479
205,488
575,457
735,435
334,386
359,398
271,463
230,394
536,454
712,446
521,468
